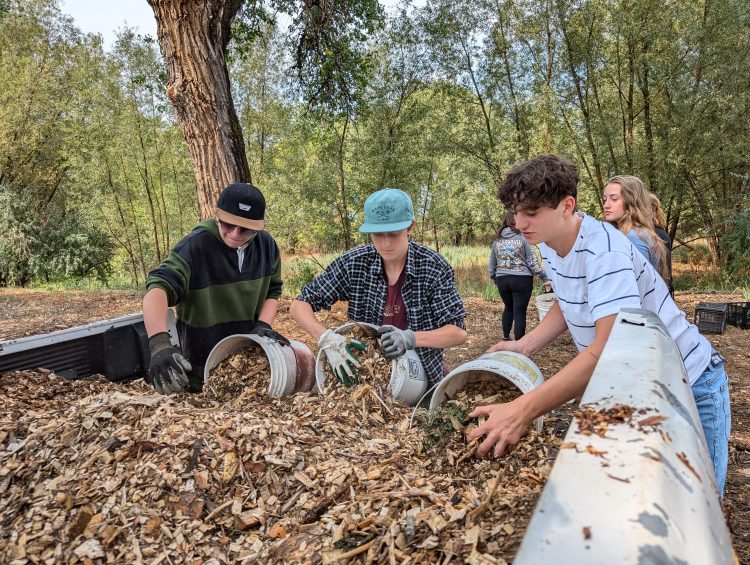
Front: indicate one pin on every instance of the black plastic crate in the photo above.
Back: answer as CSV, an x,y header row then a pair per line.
x,y
738,314
711,317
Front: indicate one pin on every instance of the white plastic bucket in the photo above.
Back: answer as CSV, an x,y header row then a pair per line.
x,y
408,381
291,367
544,302
513,367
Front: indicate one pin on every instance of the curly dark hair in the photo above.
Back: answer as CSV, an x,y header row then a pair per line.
x,y
541,181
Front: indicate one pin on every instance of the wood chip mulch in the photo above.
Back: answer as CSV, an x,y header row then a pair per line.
x,y
97,472
246,369
374,369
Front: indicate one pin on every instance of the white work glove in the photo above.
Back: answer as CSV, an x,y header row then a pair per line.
x,y
342,360
395,342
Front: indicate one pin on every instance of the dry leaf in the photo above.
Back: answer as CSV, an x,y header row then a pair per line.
x,y
277,531
231,466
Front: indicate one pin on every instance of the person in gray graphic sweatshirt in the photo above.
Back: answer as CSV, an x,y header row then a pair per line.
x,y
512,266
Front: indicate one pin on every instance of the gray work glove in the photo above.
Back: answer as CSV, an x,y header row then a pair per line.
x,y
341,358
264,329
168,368
395,342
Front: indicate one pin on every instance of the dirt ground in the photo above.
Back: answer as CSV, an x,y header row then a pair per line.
x,y
24,313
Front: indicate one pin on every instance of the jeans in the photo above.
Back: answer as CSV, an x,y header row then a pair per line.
x,y
711,394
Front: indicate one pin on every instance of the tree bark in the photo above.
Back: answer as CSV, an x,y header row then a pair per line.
x,y
193,37
126,243
341,181
426,203
486,106
706,216
549,36
648,128
519,119
630,122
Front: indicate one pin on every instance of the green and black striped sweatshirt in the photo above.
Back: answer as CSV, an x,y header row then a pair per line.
x,y
215,293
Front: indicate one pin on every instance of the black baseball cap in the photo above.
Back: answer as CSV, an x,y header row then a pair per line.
x,y
243,205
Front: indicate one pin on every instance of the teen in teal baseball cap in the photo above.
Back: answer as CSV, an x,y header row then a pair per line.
x,y
403,287
387,210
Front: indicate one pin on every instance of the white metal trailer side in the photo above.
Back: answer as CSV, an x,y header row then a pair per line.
x,y
642,493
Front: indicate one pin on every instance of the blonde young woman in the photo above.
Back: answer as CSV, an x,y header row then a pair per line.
x,y
627,206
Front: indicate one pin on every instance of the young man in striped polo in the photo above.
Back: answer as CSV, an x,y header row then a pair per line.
x,y
595,271
224,278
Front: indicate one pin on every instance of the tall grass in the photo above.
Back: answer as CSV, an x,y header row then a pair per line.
x,y
707,278
470,266
114,282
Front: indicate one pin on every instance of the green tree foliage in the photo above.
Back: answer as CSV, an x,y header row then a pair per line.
x,y
44,232
622,87
135,162
330,49
51,247
89,148
38,48
438,101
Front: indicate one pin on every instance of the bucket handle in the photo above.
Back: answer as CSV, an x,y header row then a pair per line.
x,y
416,406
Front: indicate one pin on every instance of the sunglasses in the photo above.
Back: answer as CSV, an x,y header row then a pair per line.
x,y
231,227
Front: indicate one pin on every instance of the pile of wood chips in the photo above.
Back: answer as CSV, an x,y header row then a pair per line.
x,y
246,369
96,472
373,373
447,427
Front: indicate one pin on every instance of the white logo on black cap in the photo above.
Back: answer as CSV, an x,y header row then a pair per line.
x,y
245,207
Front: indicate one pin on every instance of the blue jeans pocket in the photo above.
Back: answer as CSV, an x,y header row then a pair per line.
x,y
715,375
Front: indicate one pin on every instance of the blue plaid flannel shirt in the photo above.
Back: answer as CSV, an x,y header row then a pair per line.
x,y
429,294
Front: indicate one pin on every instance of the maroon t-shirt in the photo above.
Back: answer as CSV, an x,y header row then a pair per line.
x,y
394,312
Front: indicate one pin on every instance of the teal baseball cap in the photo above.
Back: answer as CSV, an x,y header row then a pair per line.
x,y
389,209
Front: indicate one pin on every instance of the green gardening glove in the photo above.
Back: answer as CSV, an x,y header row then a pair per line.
x,y
341,357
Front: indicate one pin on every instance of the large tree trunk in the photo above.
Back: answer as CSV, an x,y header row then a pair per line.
x,y
193,36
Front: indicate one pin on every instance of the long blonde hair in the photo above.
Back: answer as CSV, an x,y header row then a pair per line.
x,y
660,220
638,216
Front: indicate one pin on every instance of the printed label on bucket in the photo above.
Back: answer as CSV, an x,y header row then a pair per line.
x,y
414,369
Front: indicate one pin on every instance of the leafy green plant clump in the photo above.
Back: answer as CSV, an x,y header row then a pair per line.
x,y
441,425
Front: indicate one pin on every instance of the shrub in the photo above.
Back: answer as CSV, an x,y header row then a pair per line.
x,y
301,272
735,245
696,253
48,245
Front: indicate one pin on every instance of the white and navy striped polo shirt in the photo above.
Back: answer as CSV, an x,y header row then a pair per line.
x,y
603,273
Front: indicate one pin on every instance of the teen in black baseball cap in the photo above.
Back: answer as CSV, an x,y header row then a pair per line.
x,y
223,278
242,204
